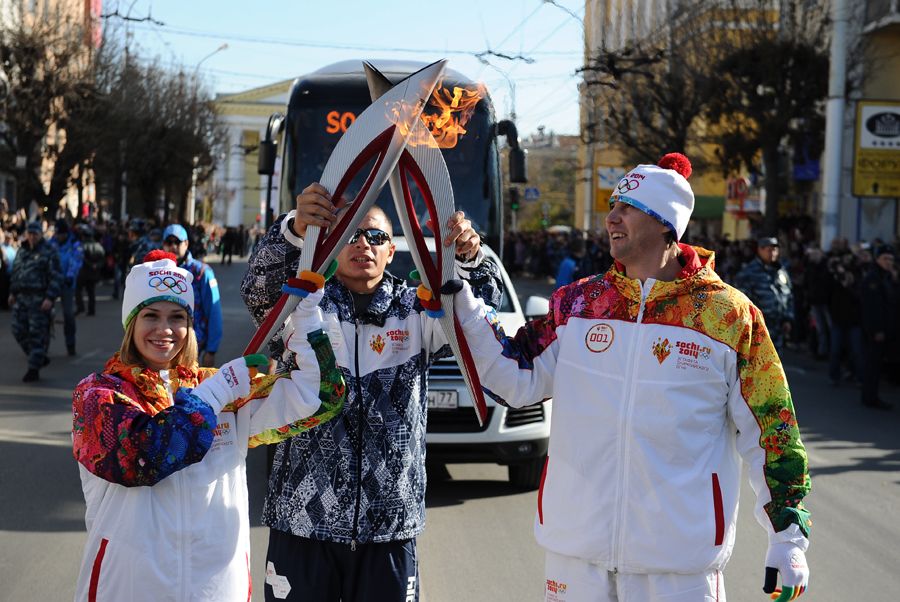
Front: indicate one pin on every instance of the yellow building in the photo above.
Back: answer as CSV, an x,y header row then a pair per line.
x,y
238,192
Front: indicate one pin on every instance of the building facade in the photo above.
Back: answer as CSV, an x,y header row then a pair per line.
x,y
869,189
870,146
238,193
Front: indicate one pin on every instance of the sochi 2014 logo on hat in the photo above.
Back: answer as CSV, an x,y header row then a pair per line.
x,y
599,337
167,281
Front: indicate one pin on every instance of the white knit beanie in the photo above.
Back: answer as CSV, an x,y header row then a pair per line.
x,y
661,191
159,280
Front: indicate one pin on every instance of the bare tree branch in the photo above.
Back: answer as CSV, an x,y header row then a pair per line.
x,y
117,15
481,56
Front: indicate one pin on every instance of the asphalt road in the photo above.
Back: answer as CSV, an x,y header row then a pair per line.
x,y
478,542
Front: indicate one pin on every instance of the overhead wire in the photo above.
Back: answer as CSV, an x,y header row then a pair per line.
x,y
232,37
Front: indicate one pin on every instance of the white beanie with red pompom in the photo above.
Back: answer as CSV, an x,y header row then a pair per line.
x,y
661,191
157,279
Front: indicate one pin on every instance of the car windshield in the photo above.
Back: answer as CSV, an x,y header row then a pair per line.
x,y
402,265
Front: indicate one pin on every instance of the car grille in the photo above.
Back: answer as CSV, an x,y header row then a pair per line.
x,y
523,416
445,369
460,420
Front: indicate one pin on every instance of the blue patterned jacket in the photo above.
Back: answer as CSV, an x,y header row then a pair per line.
x,y
360,477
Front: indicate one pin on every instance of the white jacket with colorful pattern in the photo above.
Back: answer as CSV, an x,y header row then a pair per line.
x,y
164,476
659,391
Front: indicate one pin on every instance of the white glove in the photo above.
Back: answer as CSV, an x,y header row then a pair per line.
x,y
789,559
465,303
306,318
229,384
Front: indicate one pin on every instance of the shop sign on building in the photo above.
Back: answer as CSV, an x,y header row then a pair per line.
x,y
876,161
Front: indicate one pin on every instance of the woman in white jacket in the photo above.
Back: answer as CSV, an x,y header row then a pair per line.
x,y
161,445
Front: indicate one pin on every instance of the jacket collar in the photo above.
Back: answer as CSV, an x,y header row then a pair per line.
x,y
149,383
698,269
769,267
388,291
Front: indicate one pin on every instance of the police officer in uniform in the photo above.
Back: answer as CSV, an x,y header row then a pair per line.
x,y
35,284
767,283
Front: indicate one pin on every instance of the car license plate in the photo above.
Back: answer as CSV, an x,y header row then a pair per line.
x,y
443,400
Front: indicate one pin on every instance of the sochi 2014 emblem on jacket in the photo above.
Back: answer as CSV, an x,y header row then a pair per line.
x,y
377,343
661,349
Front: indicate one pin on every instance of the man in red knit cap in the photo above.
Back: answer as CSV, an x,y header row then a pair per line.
x,y
663,379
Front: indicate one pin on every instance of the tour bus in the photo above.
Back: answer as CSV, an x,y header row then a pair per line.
x,y
324,103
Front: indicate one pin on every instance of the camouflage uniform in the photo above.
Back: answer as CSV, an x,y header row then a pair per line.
x,y
36,275
769,288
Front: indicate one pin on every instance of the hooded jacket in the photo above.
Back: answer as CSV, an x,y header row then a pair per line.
x,y
164,479
659,391
360,478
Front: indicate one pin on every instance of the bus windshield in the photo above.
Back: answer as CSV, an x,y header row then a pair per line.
x,y
314,130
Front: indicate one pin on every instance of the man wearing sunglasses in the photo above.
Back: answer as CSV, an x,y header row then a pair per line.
x,y
346,500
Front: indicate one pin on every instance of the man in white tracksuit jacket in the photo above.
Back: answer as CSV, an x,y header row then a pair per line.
x,y
663,378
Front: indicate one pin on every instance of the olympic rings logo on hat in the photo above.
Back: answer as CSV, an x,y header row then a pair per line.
x,y
626,185
168,284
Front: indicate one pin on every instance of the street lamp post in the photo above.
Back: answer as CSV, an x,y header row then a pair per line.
x,y
192,199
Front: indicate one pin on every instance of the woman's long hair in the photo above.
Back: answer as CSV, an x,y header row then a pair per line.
x,y
188,356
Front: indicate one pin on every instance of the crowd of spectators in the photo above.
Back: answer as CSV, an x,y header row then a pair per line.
x,y
832,290
86,252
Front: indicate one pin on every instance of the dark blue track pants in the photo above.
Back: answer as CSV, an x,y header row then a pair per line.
x,y
301,569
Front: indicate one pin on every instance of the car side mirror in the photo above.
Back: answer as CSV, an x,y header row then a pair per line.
x,y
536,307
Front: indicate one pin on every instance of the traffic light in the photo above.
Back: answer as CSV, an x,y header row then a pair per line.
x,y
514,198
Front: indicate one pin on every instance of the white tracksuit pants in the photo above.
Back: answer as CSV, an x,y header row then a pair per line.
x,y
571,579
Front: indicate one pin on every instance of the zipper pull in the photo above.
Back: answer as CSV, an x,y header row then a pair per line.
x,y
352,545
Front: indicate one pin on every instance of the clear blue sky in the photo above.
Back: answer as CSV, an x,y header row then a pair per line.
x,y
269,41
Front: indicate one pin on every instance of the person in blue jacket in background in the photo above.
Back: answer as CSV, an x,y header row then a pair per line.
x,y
71,256
207,308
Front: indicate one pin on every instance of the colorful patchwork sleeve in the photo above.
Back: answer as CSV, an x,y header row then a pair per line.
x,y
768,436
117,441
289,404
515,371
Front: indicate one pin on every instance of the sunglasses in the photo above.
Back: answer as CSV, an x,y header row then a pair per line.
x,y
374,236
172,241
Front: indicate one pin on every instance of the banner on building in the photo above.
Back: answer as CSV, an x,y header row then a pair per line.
x,y
876,160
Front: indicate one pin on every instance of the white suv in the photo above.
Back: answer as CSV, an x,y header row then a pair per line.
x,y
517,438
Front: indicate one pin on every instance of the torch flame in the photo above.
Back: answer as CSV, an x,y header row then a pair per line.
x,y
446,125
455,109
